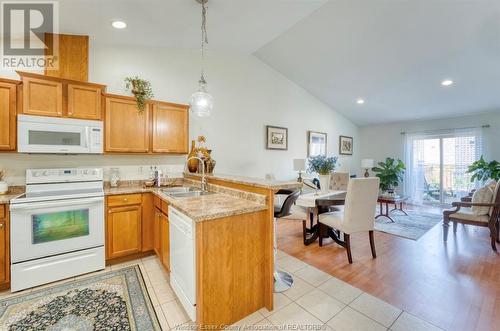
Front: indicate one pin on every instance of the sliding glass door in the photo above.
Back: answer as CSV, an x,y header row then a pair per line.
x,y
437,164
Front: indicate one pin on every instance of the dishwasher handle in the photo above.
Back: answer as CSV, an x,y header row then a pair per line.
x,y
181,222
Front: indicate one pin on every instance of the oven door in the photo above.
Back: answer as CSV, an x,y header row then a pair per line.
x,y
41,229
39,137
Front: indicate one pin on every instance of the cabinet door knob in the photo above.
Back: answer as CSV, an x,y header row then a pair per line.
x,y
125,199
1,225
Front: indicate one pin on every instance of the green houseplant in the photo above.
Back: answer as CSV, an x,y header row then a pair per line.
x,y
391,173
482,170
323,166
141,89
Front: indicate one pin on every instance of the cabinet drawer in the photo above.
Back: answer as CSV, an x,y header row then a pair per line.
x,y
124,200
157,202
2,211
164,207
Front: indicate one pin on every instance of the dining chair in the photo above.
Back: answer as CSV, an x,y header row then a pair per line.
x,y
339,181
282,280
463,214
358,215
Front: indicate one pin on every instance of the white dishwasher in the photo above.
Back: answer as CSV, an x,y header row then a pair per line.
x,y
183,259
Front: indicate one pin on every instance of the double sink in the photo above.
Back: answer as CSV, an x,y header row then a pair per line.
x,y
185,192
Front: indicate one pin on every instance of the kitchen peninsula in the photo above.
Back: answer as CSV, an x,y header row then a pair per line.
x,y
233,229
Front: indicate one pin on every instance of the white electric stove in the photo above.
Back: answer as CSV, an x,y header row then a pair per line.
x,y
57,226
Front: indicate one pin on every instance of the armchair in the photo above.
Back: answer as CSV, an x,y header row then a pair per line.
x,y
463,214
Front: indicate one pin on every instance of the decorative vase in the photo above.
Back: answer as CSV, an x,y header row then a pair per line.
x,y
193,164
324,182
4,188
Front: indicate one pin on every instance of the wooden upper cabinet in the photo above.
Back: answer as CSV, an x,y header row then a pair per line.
x,y
51,96
84,102
42,97
170,128
8,109
127,128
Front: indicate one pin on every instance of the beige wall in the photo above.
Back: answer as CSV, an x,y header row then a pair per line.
x,y
248,96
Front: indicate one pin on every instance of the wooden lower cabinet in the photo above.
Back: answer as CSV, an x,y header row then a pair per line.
x,y
157,232
164,242
4,247
123,231
137,223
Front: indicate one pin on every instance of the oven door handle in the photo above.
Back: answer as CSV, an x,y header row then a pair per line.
x,y
60,203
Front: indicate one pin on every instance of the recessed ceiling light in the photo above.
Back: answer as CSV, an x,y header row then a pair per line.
x,y
447,82
119,24
360,101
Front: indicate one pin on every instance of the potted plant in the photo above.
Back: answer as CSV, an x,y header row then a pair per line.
x,y
482,170
141,89
391,173
323,166
4,188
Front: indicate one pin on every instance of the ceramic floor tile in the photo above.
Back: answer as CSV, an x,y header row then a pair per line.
x,y
248,321
298,289
265,325
161,318
320,304
340,290
376,309
350,320
125,264
152,265
174,313
408,322
280,301
290,264
294,317
158,277
152,296
313,276
164,293
281,254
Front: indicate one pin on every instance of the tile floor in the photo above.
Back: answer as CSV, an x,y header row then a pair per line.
x,y
316,301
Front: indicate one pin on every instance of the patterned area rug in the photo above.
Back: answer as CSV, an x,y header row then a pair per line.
x,y
116,300
413,226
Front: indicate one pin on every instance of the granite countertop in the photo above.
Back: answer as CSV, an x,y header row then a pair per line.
x,y
202,208
250,181
14,192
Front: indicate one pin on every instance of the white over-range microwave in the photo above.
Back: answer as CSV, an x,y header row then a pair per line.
x,y
38,134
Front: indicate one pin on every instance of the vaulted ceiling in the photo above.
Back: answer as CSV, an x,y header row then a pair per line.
x,y
393,54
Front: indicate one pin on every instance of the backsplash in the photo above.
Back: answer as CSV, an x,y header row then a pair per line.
x,y
131,167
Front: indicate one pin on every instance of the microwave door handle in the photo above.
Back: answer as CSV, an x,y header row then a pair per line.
x,y
87,137
61,203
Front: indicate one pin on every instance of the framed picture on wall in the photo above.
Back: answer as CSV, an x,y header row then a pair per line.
x,y
277,138
346,145
317,143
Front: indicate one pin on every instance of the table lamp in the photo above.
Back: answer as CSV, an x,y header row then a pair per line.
x,y
367,164
299,165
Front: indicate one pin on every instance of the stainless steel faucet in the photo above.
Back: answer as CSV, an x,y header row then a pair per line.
x,y
203,179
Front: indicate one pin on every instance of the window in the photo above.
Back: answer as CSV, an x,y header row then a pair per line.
x,y
437,163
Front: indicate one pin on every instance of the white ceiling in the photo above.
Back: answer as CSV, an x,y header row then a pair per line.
x,y
233,25
394,54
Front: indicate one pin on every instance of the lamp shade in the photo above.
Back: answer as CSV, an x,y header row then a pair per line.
x,y
367,163
299,164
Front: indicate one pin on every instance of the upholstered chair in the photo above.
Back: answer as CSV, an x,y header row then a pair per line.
x,y
464,214
358,214
339,181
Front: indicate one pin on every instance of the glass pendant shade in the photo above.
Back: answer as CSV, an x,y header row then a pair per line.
x,y
202,103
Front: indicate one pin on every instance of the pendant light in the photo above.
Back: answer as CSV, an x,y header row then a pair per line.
x,y
202,102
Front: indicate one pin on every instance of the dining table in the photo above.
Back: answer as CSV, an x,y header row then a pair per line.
x,y
315,204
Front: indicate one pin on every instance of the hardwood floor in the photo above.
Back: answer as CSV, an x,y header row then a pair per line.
x,y
454,285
